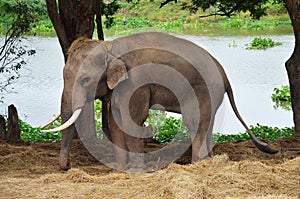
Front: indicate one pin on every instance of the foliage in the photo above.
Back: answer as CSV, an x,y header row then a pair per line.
x,y
34,135
108,9
259,43
166,129
12,52
228,8
282,97
156,120
172,130
10,8
137,14
133,22
98,117
260,131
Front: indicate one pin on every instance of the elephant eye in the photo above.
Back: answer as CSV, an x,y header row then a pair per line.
x,y
85,81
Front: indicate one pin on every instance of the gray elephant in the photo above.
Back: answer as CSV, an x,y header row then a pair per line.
x,y
137,73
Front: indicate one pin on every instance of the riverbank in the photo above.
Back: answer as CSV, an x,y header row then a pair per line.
x,y
235,26
134,17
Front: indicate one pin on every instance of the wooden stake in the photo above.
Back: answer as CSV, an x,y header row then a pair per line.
x,y
13,134
2,128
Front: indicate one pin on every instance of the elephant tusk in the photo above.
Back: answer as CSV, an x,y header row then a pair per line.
x,y
51,120
68,123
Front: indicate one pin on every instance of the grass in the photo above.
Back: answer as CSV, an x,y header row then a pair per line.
x,y
133,18
221,27
260,131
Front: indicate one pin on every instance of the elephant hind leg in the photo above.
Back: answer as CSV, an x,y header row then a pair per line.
x,y
200,143
199,124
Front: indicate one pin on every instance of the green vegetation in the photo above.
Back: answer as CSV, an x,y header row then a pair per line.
x,y
140,15
260,131
13,53
259,43
166,129
34,135
28,11
282,97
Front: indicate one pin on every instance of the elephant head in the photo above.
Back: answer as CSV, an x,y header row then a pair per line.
x,y
86,76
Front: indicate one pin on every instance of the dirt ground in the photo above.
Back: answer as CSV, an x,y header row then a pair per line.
x,y
237,170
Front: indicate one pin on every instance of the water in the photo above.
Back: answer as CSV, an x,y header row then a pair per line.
x,y
253,75
37,93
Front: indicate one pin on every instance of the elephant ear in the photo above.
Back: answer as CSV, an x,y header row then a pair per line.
x,y
116,72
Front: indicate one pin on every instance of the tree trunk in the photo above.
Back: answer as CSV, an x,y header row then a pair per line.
x,y
293,63
13,134
2,128
73,19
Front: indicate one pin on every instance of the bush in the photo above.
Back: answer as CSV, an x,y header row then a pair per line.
x,y
282,97
259,43
34,135
260,131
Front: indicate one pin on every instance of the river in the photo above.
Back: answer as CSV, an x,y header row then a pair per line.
x,y
253,75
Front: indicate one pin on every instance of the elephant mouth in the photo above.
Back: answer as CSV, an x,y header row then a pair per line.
x,y
67,124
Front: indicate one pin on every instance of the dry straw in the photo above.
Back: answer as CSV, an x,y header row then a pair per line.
x,y
32,172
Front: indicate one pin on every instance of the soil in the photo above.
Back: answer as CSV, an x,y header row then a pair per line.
x,y
237,170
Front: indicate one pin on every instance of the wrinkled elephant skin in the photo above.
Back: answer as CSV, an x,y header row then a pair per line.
x,y
136,73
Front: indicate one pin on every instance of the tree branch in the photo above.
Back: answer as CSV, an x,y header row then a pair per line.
x,y
58,25
166,2
227,14
98,12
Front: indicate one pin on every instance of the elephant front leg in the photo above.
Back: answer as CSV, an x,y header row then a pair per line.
x,y
135,130
118,140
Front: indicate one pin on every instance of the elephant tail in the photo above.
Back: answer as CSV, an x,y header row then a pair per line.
x,y
259,144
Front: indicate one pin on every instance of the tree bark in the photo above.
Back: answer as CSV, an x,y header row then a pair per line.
x,y
13,134
73,19
2,128
98,12
293,63
58,26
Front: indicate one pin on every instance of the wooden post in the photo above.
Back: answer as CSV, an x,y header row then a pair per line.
x,y
2,128
13,134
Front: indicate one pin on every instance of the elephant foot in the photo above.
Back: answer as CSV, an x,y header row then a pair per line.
x,y
136,163
136,168
115,166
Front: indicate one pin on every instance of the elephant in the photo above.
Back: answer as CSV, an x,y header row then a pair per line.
x,y
136,73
